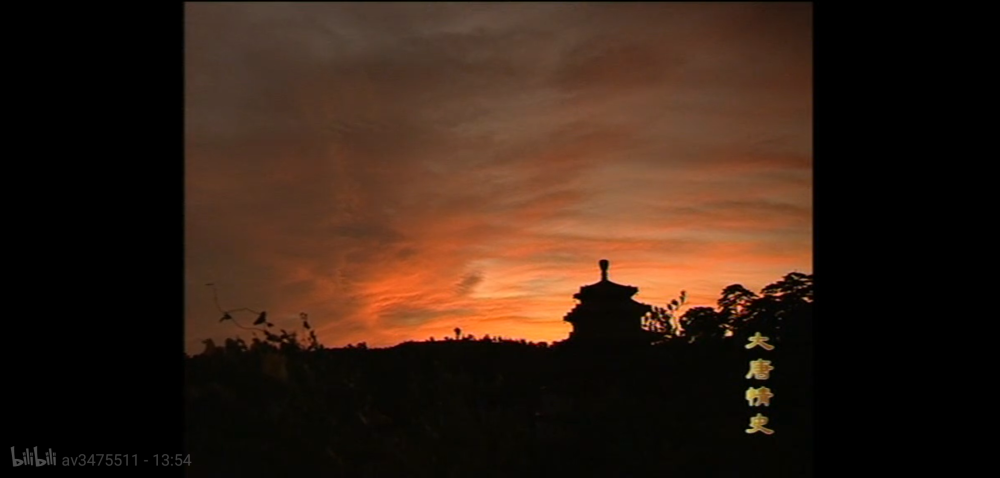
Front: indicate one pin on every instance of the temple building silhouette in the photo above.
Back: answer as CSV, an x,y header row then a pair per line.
x,y
607,313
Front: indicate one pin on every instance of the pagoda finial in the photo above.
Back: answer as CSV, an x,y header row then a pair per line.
x,y
604,269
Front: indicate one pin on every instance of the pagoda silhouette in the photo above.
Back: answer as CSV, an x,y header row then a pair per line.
x,y
607,313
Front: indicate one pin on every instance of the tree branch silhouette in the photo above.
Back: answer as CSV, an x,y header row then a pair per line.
x,y
288,338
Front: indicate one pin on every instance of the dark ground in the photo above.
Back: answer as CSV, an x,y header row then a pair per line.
x,y
495,409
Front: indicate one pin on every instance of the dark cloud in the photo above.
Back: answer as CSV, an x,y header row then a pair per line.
x,y
468,282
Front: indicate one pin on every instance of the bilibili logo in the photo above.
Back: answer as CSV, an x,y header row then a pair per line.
x,y
32,458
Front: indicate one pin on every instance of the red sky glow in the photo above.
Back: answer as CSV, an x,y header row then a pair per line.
x,y
399,170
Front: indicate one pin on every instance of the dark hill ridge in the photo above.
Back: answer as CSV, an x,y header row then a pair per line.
x,y
494,409
497,408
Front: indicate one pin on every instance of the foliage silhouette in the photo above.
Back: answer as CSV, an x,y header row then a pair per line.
x,y
285,340
663,320
703,323
733,304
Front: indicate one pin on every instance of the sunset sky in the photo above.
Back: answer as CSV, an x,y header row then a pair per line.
x,y
399,170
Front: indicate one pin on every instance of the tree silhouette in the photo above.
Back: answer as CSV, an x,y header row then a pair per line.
x,y
663,320
784,303
733,303
703,323
795,286
794,293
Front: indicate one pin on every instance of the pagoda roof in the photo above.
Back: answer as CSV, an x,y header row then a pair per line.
x,y
590,309
605,289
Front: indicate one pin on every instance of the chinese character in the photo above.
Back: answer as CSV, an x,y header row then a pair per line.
x,y
760,369
759,396
757,425
760,340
